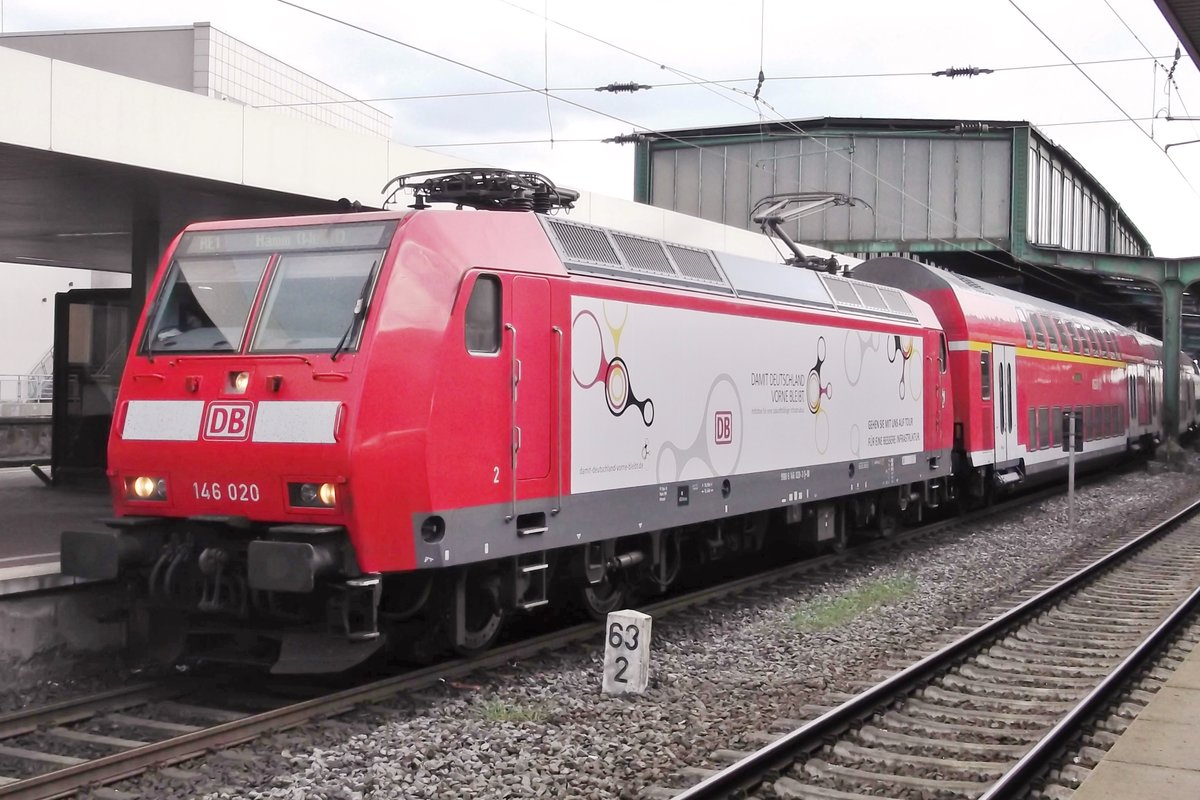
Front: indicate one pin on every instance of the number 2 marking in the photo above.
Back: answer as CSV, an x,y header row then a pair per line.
x,y
495,474
624,664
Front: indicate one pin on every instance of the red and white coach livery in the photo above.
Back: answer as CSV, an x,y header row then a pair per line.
x,y
338,431
1018,362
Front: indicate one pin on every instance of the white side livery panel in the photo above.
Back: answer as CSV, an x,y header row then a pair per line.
x,y
660,395
163,420
292,422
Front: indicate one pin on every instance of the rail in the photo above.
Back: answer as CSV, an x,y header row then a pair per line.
x,y
750,771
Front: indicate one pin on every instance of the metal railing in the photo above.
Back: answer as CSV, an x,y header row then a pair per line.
x,y
26,388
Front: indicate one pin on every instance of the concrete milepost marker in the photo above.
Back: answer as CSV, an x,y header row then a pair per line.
x,y
627,652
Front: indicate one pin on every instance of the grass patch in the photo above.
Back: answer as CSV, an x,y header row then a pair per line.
x,y
818,615
501,711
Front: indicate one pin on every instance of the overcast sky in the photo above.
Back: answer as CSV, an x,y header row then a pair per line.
x,y
679,41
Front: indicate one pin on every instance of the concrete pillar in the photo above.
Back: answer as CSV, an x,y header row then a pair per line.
x,y
1172,295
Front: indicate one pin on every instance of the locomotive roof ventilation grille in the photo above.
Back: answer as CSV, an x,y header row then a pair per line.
x,y
590,249
646,255
584,244
842,291
868,297
694,263
895,301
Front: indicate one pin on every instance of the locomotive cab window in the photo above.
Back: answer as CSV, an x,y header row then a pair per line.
x,y
317,302
204,305
943,353
483,316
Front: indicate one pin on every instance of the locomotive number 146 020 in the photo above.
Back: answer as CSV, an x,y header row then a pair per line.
x,y
236,492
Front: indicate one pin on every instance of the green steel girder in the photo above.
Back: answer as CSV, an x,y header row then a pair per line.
x,y
895,246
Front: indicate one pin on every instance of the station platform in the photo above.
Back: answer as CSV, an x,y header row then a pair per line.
x,y
1158,756
32,515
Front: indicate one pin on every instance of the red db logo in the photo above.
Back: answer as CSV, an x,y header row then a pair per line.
x,y
723,427
229,421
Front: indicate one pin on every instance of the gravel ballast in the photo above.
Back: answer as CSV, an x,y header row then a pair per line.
x,y
721,673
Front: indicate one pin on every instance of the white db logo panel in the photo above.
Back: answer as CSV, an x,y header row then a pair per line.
x,y
228,421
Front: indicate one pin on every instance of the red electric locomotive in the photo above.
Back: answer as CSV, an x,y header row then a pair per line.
x,y
400,427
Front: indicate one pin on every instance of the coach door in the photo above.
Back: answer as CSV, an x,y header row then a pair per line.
x,y
1004,403
1131,390
530,330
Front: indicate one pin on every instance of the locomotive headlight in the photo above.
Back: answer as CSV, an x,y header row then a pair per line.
x,y
238,381
144,487
313,495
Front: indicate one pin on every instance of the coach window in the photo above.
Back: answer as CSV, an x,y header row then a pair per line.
x,y
1039,331
1055,426
1051,333
985,375
1064,334
1076,339
483,316
1043,428
1028,328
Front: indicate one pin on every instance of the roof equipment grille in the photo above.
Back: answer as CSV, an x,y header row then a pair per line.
x,y
842,291
870,296
696,264
584,244
644,254
895,301
591,249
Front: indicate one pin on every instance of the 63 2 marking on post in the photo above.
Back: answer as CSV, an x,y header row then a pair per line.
x,y
627,652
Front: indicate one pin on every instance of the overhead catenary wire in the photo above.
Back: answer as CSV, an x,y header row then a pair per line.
x,y
1109,97
659,134
699,83
796,128
546,66
1170,73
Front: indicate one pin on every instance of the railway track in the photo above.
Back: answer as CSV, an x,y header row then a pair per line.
x,y
98,740
994,711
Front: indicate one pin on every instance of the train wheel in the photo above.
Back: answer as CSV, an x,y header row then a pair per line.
x,y
610,594
478,613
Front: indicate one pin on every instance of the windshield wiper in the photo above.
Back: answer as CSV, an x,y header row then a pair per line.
x,y
360,308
